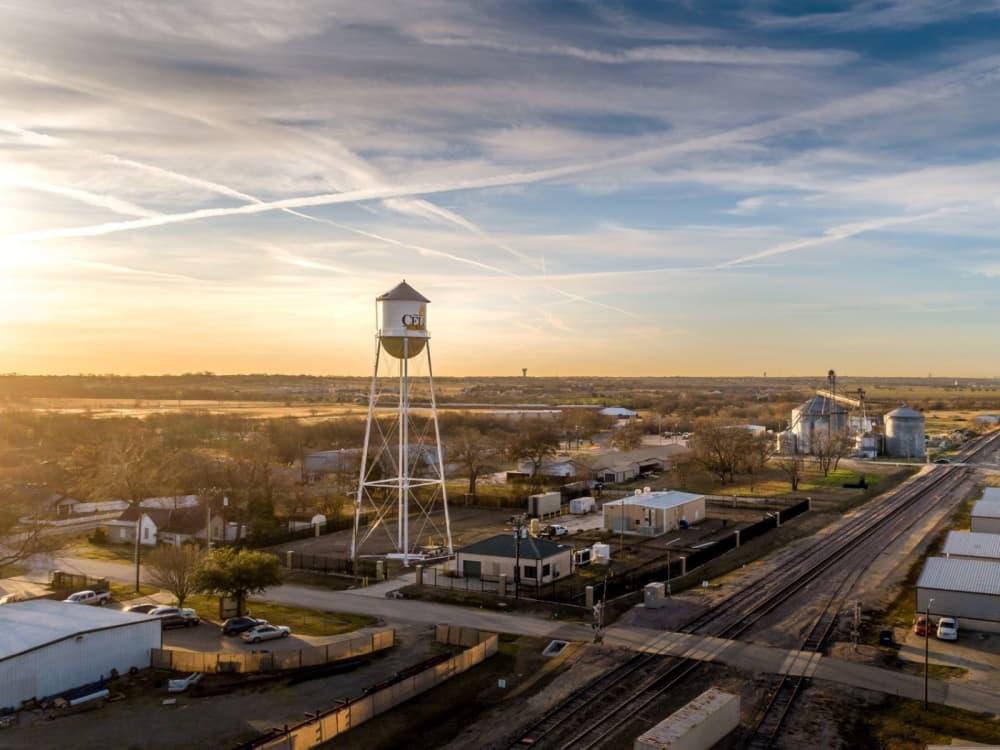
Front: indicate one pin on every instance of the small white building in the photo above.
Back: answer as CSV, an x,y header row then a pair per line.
x,y
49,647
618,412
986,512
653,513
968,590
972,545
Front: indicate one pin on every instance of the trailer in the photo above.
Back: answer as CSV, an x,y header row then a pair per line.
x,y
582,505
544,504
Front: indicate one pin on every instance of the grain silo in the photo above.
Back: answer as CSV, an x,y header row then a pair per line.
x,y
816,420
904,433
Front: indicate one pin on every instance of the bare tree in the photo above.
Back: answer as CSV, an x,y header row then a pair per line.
x,y
828,450
173,569
474,451
760,448
534,445
721,449
793,467
627,438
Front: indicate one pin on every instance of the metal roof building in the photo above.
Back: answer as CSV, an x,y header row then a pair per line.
x,y
968,590
653,513
973,545
49,647
986,513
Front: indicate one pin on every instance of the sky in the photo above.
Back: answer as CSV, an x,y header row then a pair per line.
x,y
579,188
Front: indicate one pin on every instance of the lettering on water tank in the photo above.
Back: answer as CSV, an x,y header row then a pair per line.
x,y
413,321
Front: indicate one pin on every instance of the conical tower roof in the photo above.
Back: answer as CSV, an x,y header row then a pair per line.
x,y
403,291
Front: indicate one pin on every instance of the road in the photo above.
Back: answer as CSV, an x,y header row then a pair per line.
x,y
757,658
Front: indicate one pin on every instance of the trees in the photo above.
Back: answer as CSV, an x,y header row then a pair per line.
x,y
226,572
175,569
829,449
535,444
721,449
792,467
474,451
627,438
760,448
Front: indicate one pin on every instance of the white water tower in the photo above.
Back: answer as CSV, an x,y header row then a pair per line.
x,y
402,483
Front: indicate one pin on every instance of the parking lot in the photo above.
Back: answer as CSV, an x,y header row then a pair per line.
x,y
208,637
978,653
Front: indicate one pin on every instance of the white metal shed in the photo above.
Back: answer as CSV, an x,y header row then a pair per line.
x,y
49,647
986,512
968,590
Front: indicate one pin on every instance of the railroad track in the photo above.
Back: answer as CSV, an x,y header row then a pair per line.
x,y
593,714
780,699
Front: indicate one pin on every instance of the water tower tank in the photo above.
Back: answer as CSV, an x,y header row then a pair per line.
x,y
403,321
904,433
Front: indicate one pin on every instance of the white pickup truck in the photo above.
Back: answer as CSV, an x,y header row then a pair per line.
x,y
98,598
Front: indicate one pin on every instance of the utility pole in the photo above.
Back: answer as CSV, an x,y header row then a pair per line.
x,y
518,526
621,531
138,530
668,563
927,636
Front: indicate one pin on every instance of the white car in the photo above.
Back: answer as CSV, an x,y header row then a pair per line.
x,y
99,598
947,629
266,633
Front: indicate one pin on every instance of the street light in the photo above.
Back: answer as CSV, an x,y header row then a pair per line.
x,y
927,635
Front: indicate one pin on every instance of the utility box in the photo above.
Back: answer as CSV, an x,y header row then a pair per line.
x,y
654,596
581,505
697,726
544,504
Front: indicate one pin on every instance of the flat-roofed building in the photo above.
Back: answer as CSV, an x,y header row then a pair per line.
x,y
968,590
653,513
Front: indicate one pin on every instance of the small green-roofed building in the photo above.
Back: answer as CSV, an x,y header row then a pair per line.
x,y
541,560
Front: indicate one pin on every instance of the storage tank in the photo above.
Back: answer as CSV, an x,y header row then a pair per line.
x,y
403,321
786,443
904,433
817,419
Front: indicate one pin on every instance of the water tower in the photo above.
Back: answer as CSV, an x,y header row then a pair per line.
x,y
401,486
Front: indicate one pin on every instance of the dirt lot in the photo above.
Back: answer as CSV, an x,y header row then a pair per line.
x,y
142,721
468,525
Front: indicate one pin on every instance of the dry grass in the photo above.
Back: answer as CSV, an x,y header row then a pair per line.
x,y
906,725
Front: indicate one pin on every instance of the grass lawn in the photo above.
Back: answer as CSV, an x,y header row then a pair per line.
x,y
301,621
81,546
125,591
904,725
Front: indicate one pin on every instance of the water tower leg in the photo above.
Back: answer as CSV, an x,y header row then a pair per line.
x,y
355,548
440,454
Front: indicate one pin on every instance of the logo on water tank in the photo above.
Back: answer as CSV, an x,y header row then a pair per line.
x,y
413,322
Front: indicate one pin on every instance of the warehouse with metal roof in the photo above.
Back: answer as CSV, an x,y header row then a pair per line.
x,y
973,545
986,513
49,647
968,590
653,513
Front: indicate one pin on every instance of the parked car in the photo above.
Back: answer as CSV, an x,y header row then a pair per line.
x,y
942,461
920,625
142,609
555,530
176,617
97,598
266,633
947,629
237,625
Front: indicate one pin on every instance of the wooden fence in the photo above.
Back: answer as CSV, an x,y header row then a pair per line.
x,y
337,720
347,646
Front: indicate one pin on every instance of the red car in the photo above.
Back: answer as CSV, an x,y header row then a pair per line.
x,y
920,625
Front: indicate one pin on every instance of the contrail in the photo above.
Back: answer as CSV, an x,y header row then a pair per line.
x,y
109,202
